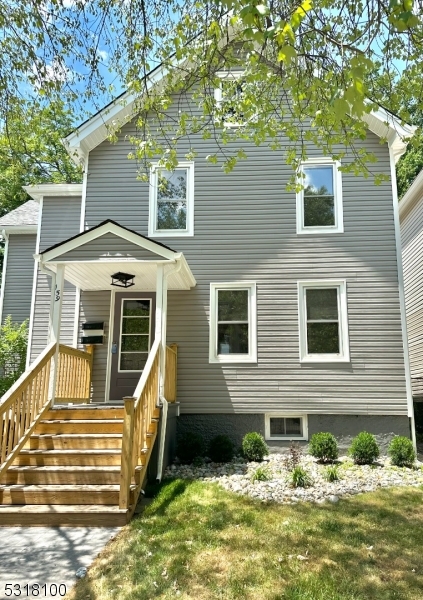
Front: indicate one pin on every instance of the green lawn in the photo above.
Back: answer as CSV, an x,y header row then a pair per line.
x,y
197,541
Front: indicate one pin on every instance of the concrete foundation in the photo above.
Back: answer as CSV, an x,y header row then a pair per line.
x,y
343,427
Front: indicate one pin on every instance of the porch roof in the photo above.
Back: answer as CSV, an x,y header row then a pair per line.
x,y
89,262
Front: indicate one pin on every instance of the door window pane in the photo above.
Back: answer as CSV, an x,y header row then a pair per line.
x,y
133,361
134,343
135,334
136,308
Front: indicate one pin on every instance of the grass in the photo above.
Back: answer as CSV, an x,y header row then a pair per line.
x,y
196,541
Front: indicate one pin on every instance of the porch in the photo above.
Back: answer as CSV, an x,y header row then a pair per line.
x,y
85,463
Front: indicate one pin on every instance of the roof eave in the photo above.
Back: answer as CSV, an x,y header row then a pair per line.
x,y
37,192
411,196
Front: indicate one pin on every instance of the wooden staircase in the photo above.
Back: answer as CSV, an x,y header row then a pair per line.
x,y
69,471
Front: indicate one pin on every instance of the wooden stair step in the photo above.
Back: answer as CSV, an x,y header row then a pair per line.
x,y
69,457
71,413
61,494
80,426
70,475
77,515
74,441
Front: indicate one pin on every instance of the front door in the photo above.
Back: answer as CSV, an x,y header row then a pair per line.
x,y
133,330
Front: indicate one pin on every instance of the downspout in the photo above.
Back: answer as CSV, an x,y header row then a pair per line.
x,y
410,405
165,403
5,236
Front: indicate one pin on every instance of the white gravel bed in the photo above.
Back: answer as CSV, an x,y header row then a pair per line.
x,y
236,477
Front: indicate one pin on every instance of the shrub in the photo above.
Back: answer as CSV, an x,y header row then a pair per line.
x,y
299,477
254,447
261,474
221,449
293,457
331,473
324,447
401,452
364,449
189,447
13,345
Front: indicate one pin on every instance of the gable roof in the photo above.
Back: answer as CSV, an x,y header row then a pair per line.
x,y
412,196
101,229
92,132
25,215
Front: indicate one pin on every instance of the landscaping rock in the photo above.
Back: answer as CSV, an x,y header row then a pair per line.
x,y
236,477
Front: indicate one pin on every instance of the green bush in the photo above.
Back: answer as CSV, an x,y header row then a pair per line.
x,y
331,473
254,447
364,449
299,477
324,447
13,346
189,447
221,449
401,452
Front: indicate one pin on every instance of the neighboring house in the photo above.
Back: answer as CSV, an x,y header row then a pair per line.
x,y
411,217
286,309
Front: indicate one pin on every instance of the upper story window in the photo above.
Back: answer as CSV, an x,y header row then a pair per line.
x,y
233,336
172,201
323,321
319,203
228,96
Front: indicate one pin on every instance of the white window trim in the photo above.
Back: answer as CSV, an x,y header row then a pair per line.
x,y
121,334
228,75
338,203
344,355
251,357
152,212
278,415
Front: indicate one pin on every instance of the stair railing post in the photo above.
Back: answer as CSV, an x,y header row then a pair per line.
x,y
57,287
127,449
90,350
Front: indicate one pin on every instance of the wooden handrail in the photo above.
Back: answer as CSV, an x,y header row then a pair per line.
x,y
22,407
171,373
74,374
140,411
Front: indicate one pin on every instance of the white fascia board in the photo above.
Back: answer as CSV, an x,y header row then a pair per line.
x,y
411,196
15,229
93,234
53,189
94,131
386,125
187,273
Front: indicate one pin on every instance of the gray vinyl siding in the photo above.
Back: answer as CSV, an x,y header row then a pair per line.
x,y
245,229
95,306
60,220
412,258
108,246
19,277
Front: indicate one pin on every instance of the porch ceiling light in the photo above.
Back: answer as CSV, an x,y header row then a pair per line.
x,y
124,280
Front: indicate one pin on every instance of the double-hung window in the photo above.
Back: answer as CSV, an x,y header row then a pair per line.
x,y
319,203
228,97
323,321
172,201
233,336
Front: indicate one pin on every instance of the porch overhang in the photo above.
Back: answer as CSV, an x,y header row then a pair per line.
x,y
89,259
97,275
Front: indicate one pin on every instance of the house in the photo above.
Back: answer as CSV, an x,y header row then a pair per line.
x,y
411,212
281,313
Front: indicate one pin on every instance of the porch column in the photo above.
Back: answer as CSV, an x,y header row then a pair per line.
x,y
161,323
55,321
